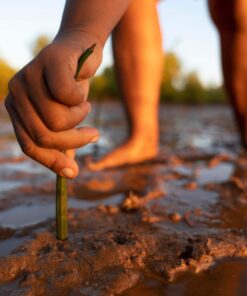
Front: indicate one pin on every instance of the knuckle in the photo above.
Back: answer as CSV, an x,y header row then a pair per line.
x,y
43,140
61,91
27,148
54,164
56,123
88,70
49,49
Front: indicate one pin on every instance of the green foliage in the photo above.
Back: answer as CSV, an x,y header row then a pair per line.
x,y
6,72
176,86
170,77
193,90
216,95
40,42
104,85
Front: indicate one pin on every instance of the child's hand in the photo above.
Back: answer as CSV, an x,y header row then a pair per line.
x,y
46,103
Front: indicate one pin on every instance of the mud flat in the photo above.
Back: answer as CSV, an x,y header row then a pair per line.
x,y
111,250
173,226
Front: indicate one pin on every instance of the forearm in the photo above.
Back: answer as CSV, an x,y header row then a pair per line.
x,y
97,18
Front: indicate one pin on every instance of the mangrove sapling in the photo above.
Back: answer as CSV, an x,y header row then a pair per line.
x,y
61,184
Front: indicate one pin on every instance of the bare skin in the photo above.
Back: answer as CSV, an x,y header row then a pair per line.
x,y
140,84
45,102
230,17
139,62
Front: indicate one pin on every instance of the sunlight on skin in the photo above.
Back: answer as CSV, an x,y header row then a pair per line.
x,y
139,62
138,57
231,20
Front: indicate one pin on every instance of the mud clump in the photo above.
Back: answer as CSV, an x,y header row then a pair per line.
x,y
107,254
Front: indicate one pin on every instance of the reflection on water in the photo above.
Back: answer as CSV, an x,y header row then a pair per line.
x,y
9,245
227,279
218,174
31,214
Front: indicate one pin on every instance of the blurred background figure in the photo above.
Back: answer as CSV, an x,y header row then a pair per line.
x,y
138,61
230,18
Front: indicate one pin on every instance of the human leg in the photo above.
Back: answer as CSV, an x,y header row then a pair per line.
x,y
139,62
230,18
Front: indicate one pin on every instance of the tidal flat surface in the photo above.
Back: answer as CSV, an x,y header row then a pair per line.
x,y
172,226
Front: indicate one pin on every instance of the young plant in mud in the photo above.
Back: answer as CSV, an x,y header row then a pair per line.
x,y
61,184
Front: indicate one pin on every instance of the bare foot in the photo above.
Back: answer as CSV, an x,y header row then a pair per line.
x,y
131,152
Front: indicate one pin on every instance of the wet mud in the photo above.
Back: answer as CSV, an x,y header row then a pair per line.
x,y
172,226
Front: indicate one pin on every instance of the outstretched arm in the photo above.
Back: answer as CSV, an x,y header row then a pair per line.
x,y
45,102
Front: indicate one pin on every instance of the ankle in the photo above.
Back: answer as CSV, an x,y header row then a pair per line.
x,y
140,142
144,138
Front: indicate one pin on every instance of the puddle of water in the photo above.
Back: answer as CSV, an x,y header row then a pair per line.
x,y
198,198
85,204
202,141
183,199
7,185
218,174
227,279
8,245
26,215
24,166
183,170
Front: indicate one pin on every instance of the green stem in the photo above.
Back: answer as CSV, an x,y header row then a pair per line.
x,y
61,185
61,208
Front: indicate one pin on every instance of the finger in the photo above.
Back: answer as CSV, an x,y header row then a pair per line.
x,y
38,132
70,153
71,139
56,116
55,160
59,73
85,85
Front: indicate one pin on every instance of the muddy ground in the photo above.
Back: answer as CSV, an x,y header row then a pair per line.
x,y
173,226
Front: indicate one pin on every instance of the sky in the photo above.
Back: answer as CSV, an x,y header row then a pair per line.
x,y
185,24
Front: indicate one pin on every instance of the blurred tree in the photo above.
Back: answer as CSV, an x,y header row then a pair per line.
x,y
193,90
170,77
39,43
176,87
172,68
6,72
98,87
111,86
216,95
104,85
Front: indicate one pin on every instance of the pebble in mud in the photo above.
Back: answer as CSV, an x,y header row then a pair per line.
x,y
175,217
191,186
134,202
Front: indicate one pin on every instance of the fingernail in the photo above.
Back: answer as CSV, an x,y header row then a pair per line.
x,y
67,173
94,139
